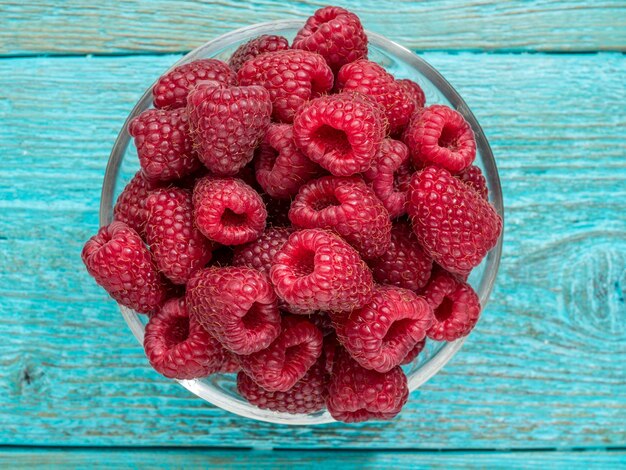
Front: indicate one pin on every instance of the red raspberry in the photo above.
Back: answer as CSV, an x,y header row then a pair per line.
x,y
455,304
281,168
336,34
228,211
389,176
227,124
369,78
356,394
380,335
163,144
414,90
341,132
292,78
230,364
278,367
177,346
260,253
171,90
119,261
453,223
255,47
473,177
347,206
440,135
236,305
177,245
130,207
404,264
317,270
308,395
413,353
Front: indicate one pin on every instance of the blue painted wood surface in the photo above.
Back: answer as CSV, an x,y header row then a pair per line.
x,y
545,367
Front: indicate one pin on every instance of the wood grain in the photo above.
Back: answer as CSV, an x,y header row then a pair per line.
x,y
543,369
79,27
77,458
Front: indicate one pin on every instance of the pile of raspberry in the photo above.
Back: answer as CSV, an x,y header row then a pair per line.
x,y
301,218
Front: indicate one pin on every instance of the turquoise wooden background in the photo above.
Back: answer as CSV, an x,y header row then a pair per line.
x,y
541,381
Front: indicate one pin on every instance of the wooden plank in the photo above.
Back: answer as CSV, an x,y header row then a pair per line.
x,y
78,27
543,369
77,458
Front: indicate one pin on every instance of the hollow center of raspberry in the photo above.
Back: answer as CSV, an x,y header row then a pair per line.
x,y
444,311
177,332
397,330
332,139
231,218
304,264
254,318
448,138
328,200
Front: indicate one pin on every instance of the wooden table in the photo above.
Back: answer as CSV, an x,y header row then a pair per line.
x,y
542,381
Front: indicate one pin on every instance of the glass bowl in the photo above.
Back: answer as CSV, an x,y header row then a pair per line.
x,y
220,389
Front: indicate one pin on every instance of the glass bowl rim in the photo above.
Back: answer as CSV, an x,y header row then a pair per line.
x,y
443,356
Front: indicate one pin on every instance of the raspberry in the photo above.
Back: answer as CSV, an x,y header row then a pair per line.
x,y
413,353
380,335
236,305
317,270
292,78
341,132
177,245
404,264
163,144
389,176
369,78
347,206
356,394
260,253
455,304
334,33
227,124
228,211
118,260
177,346
278,367
414,90
473,177
453,223
440,135
130,207
171,90
230,364
308,395
255,47
281,168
